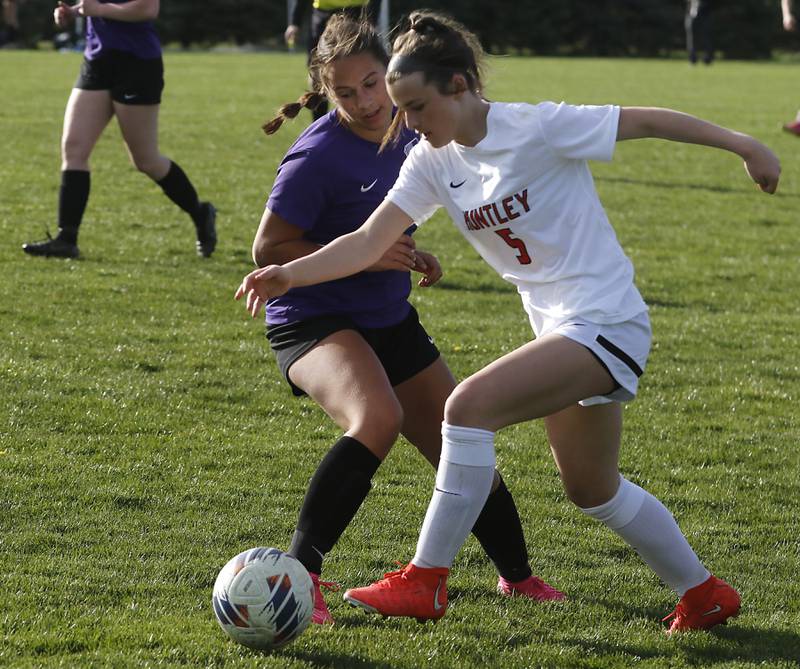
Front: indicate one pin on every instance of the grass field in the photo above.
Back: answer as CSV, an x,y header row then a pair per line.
x,y
146,436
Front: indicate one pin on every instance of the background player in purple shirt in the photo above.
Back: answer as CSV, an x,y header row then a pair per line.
x,y
355,345
122,75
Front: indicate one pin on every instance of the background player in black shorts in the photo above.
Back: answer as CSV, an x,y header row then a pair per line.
x,y
122,76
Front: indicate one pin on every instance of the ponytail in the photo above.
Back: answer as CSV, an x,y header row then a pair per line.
x,y
309,100
343,37
438,47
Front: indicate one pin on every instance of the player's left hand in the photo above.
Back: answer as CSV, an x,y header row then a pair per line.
x,y
262,284
763,167
400,256
428,265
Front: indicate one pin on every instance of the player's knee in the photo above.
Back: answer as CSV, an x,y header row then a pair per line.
x,y
585,494
149,165
74,151
463,406
380,427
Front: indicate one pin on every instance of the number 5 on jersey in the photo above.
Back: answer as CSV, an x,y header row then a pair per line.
x,y
508,237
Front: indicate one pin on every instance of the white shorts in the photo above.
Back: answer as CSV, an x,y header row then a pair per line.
x,y
621,348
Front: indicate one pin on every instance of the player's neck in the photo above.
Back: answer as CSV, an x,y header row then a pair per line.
x,y
473,126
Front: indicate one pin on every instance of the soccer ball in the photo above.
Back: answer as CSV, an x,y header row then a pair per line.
x,y
263,598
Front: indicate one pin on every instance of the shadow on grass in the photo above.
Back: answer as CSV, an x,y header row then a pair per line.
x,y
338,660
756,646
734,643
681,186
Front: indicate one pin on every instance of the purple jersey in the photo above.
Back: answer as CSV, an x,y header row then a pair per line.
x,y
328,184
135,37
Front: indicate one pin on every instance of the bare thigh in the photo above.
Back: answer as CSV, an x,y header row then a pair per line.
x,y
423,397
344,376
139,127
536,380
585,443
86,116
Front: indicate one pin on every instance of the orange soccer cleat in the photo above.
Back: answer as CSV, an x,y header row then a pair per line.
x,y
321,615
792,127
708,604
532,587
413,592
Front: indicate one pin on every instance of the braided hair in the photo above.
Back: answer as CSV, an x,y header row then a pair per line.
x,y
343,37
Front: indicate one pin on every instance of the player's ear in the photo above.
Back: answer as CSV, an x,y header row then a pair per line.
x,y
458,84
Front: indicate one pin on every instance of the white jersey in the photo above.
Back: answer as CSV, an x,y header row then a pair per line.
x,y
525,199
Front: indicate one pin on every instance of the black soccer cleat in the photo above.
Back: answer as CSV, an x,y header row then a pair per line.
x,y
206,230
52,248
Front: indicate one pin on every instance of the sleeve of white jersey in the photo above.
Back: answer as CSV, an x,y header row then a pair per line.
x,y
414,191
585,132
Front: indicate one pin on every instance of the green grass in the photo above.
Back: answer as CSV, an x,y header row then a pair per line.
x,y
146,436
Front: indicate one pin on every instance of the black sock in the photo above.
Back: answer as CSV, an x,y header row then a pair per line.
x,y
72,198
499,531
334,495
179,189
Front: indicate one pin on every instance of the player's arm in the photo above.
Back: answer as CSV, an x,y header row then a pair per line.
x,y
787,9
761,164
344,256
133,11
278,242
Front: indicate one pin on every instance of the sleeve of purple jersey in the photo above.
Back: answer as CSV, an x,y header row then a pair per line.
x,y
299,193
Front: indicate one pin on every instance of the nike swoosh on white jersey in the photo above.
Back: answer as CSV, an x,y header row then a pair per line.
x,y
364,189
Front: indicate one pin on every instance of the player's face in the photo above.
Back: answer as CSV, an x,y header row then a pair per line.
x,y
359,91
428,111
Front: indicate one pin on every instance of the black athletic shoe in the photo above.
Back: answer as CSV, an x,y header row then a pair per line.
x,y
51,248
207,230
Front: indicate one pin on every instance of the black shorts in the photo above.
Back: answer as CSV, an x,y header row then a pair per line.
x,y
404,349
131,80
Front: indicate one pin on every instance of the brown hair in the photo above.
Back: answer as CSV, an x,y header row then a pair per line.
x,y
439,47
343,37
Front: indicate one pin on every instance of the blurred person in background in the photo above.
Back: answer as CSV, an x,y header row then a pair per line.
x,y
10,33
122,75
698,30
790,24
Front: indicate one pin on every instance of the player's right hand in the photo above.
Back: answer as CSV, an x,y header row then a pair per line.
x,y
261,285
763,167
291,35
63,14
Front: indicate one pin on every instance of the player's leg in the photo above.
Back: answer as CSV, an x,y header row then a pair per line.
x,y
531,382
11,21
498,527
343,375
87,114
319,19
689,26
139,126
585,444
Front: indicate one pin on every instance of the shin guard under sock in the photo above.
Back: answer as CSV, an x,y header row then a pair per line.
x,y
179,189
335,493
72,198
499,531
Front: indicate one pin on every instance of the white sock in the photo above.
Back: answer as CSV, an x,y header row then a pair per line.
x,y
463,482
649,528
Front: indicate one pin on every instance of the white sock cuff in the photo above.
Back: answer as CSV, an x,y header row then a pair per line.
x,y
622,508
469,446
